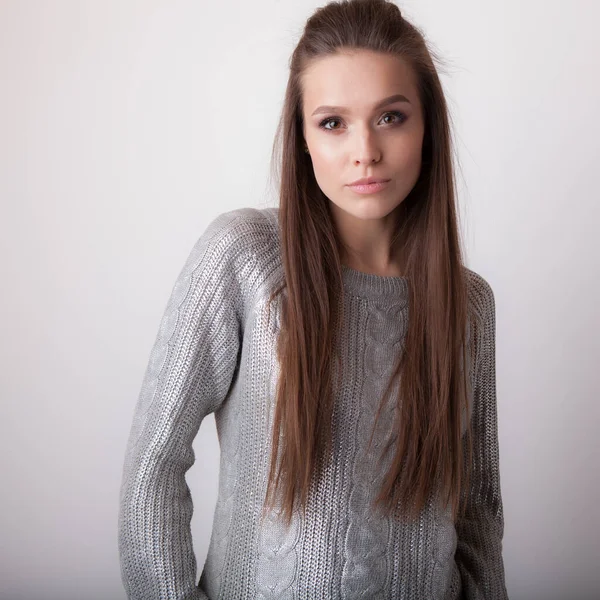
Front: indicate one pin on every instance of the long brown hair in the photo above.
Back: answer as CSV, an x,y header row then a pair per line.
x,y
434,386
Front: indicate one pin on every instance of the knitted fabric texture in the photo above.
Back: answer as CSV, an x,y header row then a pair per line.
x,y
215,351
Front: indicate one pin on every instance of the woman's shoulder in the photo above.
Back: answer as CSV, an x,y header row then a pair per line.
x,y
480,293
243,234
481,322
244,225
245,246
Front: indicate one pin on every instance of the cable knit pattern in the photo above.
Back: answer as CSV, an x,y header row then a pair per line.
x,y
215,352
367,539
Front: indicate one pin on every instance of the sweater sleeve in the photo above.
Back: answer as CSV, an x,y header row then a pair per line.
x,y
480,530
190,370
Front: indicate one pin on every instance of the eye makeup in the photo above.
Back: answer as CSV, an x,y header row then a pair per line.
x,y
401,118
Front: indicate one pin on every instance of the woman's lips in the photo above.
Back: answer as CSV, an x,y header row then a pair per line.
x,y
369,188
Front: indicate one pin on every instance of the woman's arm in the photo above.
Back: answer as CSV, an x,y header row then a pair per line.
x,y
190,371
480,531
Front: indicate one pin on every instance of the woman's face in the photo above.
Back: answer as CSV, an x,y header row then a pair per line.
x,y
361,137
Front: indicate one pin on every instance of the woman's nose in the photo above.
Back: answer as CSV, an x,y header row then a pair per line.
x,y
367,151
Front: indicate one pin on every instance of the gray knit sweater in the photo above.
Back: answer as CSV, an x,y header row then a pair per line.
x,y
215,352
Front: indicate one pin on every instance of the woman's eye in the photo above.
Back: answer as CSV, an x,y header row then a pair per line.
x,y
325,122
400,118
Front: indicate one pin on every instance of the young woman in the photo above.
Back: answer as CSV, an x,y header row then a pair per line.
x,y
347,353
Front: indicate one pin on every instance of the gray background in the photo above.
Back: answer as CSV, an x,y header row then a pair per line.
x,y
126,126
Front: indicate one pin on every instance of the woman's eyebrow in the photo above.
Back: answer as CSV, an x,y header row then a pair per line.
x,y
381,104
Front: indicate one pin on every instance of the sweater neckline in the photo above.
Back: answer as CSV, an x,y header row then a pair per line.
x,y
366,285
372,286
